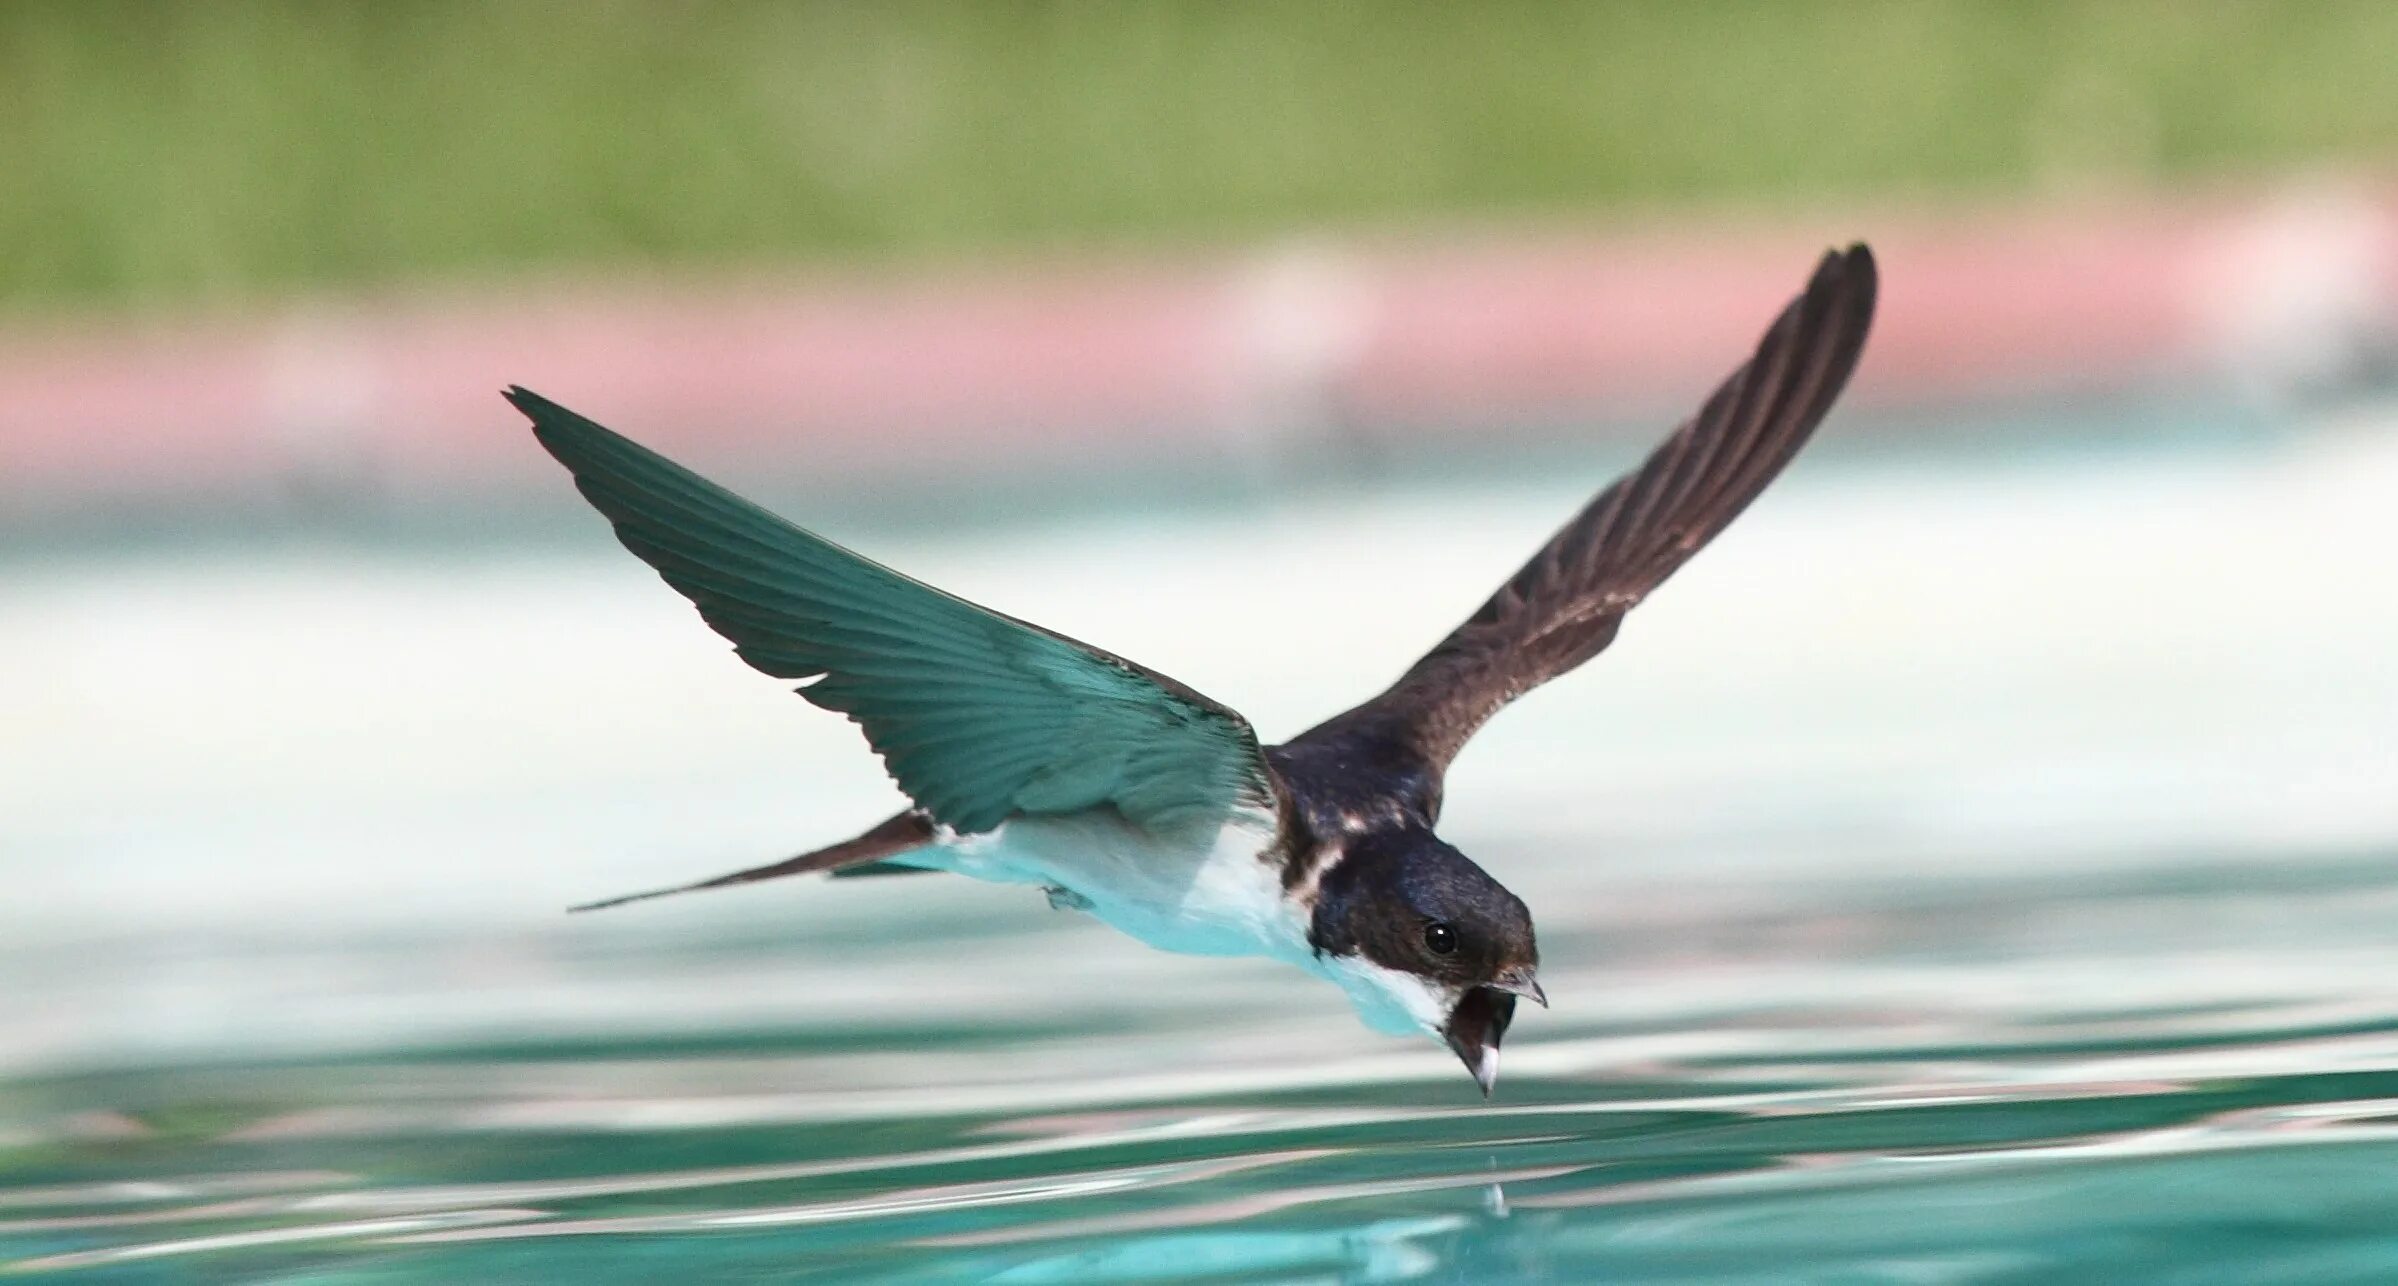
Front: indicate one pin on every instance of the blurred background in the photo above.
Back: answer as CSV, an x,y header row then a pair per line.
x,y
1979,862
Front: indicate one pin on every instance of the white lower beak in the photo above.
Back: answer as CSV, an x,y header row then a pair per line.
x,y
1486,1069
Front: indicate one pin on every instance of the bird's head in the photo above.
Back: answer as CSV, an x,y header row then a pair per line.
x,y
1423,939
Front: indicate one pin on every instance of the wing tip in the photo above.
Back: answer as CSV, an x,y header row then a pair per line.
x,y
1851,268
550,420
1850,265
572,437
533,405
587,448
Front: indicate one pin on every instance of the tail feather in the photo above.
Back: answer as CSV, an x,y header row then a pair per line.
x,y
898,835
877,870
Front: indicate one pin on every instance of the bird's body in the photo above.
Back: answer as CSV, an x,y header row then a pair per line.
x,y
1213,890
1034,759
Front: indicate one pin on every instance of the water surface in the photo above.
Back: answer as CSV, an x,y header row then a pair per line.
x,y
1965,873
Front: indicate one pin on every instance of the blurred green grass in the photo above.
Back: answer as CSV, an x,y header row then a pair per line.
x,y
207,152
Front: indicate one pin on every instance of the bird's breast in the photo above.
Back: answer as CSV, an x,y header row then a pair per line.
x,y
1213,891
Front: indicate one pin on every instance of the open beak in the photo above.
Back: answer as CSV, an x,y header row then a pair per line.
x,y
1474,1029
1521,982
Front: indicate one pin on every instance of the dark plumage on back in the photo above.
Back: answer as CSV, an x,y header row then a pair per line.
x,y
1564,606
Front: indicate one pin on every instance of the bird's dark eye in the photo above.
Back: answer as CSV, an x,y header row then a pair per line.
x,y
1440,938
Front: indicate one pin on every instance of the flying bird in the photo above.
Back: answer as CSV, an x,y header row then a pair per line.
x,y
1033,758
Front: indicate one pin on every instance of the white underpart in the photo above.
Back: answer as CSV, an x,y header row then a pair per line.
x,y
1209,893
1388,1000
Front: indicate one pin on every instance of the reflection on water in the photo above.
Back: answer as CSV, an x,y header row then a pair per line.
x,y
1788,1139
1886,945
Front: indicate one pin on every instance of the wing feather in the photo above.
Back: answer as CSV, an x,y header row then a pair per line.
x,y
978,716
1565,605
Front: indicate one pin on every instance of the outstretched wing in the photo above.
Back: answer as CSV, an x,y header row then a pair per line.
x,y
1564,606
978,716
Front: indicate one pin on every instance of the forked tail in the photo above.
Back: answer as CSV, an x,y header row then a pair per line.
x,y
898,835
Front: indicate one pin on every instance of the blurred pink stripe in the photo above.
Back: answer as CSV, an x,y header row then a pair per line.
x,y
1176,360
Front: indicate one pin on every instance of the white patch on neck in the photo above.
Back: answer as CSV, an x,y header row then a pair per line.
x,y
1389,1000
1303,892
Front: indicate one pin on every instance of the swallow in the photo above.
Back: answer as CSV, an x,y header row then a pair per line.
x,y
1032,758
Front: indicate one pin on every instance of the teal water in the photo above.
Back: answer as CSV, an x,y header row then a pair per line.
x,y
1949,882
1983,1080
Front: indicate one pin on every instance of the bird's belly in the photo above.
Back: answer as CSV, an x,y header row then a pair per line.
x,y
1213,893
